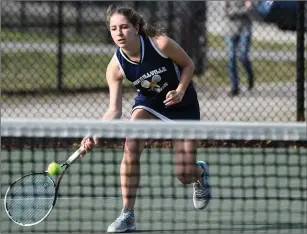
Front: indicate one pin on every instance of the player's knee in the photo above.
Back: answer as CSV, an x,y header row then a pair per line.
x,y
132,152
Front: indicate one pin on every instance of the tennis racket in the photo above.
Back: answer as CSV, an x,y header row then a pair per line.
x,y
30,199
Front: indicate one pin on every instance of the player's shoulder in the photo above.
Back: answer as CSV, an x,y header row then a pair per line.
x,y
113,68
161,41
164,43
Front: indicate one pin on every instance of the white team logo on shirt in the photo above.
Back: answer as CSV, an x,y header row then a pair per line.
x,y
153,84
150,80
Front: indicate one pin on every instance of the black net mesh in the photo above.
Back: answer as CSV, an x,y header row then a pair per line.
x,y
257,175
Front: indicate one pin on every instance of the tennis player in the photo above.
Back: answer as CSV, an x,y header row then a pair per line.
x,y
161,71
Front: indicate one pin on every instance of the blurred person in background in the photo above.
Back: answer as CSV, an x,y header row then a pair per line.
x,y
238,37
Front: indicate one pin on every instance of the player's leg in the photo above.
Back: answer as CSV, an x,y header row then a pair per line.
x,y
189,171
130,177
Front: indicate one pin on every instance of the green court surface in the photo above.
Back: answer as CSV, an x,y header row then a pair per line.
x,y
254,191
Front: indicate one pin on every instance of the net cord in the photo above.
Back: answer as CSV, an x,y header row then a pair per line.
x,y
154,129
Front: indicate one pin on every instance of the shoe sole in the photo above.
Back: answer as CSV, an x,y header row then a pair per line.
x,y
123,231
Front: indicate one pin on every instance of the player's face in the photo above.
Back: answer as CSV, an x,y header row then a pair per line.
x,y
122,31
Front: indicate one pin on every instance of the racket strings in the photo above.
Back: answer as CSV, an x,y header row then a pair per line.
x,y
30,199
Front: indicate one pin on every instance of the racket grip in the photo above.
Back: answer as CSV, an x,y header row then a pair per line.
x,y
75,155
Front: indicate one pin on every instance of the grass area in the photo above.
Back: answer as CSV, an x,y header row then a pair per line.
x,y
52,37
265,72
7,35
214,41
38,70
218,42
26,71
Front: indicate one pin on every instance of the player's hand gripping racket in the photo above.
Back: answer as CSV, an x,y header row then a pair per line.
x,y
30,199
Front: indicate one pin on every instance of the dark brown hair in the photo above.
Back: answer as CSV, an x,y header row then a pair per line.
x,y
135,19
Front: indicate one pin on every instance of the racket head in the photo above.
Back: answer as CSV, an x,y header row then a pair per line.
x,y
30,199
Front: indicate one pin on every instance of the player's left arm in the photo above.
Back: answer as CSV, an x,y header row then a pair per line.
x,y
174,51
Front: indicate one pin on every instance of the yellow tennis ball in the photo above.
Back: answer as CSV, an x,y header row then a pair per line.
x,y
54,168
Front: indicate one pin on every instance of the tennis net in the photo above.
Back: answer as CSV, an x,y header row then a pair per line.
x,y
258,174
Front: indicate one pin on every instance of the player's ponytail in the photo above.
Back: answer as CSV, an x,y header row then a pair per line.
x,y
135,19
147,29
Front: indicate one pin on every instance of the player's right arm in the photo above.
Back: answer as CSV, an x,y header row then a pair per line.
x,y
114,78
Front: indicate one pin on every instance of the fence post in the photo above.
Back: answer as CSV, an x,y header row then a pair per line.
x,y
200,9
153,11
170,18
60,45
193,34
78,6
23,16
300,60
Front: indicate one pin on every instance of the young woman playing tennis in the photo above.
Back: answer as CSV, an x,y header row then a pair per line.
x,y
161,71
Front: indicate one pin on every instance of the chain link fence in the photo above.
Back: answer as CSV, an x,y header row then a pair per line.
x,y
54,58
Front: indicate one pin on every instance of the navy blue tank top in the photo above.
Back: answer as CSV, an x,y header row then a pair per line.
x,y
155,75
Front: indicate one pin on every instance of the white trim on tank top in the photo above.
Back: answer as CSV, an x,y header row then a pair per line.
x,y
120,67
143,50
164,56
156,48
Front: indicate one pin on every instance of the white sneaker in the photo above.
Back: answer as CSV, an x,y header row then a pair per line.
x,y
124,223
202,191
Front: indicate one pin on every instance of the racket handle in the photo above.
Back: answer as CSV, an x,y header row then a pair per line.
x,y
75,155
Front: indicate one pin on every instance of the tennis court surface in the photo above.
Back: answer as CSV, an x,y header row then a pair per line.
x,y
258,176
